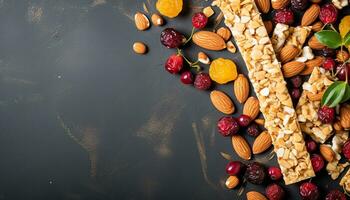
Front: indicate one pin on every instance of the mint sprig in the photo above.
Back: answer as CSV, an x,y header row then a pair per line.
x,y
336,93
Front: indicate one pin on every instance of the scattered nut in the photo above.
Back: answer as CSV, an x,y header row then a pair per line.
x,y
342,55
139,48
224,32
141,21
157,20
231,47
203,58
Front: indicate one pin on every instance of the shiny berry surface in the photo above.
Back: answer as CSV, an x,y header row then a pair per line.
x,y
244,120
234,168
328,13
227,126
284,16
346,149
309,191
202,81
311,146
274,192
274,173
329,64
342,71
255,173
317,162
253,130
335,195
186,77
174,64
296,81
171,38
199,20
326,114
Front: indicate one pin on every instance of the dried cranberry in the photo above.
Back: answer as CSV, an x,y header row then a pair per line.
x,y
343,71
284,16
172,38
228,126
253,130
199,20
296,93
346,149
299,4
296,81
174,64
317,162
309,191
311,146
255,173
329,64
244,120
335,195
234,168
328,13
274,192
274,173
326,114
326,52
186,77
202,81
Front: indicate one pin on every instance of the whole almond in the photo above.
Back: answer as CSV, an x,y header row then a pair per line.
x,y
222,102
253,195
157,20
327,152
268,25
310,15
260,122
292,68
345,116
141,21
279,4
241,147
337,126
139,48
262,143
232,182
288,53
263,5
314,97
251,107
209,40
315,44
224,32
311,64
241,88
317,26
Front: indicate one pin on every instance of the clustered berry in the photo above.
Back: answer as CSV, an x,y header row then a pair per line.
x,y
284,16
328,13
275,192
309,191
326,114
255,173
299,4
199,20
329,64
228,126
202,81
253,130
171,38
317,162
335,195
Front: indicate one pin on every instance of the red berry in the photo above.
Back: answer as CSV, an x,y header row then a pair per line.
x,y
309,191
341,70
274,192
199,20
255,173
328,13
311,146
296,93
174,64
329,64
299,4
234,168
296,81
317,162
228,126
326,114
274,173
171,38
253,130
346,149
335,195
202,81
186,77
284,16
244,120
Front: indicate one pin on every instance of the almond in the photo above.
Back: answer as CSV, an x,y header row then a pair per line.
x,y
315,44
292,68
317,26
232,182
224,32
241,147
141,21
288,53
314,97
253,195
251,107
311,64
260,122
262,143
263,5
327,152
345,116
268,25
157,20
139,48
222,102
209,40
310,15
337,126
231,47
241,88
279,4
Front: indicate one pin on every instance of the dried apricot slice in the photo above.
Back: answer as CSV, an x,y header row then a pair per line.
x,y
169,8
223,70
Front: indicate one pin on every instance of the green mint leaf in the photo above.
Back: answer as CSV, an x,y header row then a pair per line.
x,y
330,38
346,39
340,94
330,93
347,94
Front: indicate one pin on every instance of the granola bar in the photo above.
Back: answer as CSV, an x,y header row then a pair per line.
x,y
298,35
335,168
279,36
310,102
266,75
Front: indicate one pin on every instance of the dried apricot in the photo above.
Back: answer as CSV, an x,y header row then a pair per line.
x,y
169,8
223,70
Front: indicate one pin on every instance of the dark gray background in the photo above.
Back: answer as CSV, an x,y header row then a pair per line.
x,y
83,117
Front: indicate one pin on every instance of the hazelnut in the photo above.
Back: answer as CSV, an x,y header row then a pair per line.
x,y
224,32
203,58
157,20
139,48
342,56
231,47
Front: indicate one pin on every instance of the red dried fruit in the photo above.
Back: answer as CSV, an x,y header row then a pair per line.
x,y
326,52
171,38
274,192
174,64
326,114
346,149
228,126
296,81
299,4
199,20
342,70
253,130
255,173
309,191
284,16
311,146
186,77
335,195
202,81
274,173
328,13
244,120
317,162
234,168
329,64
296,93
